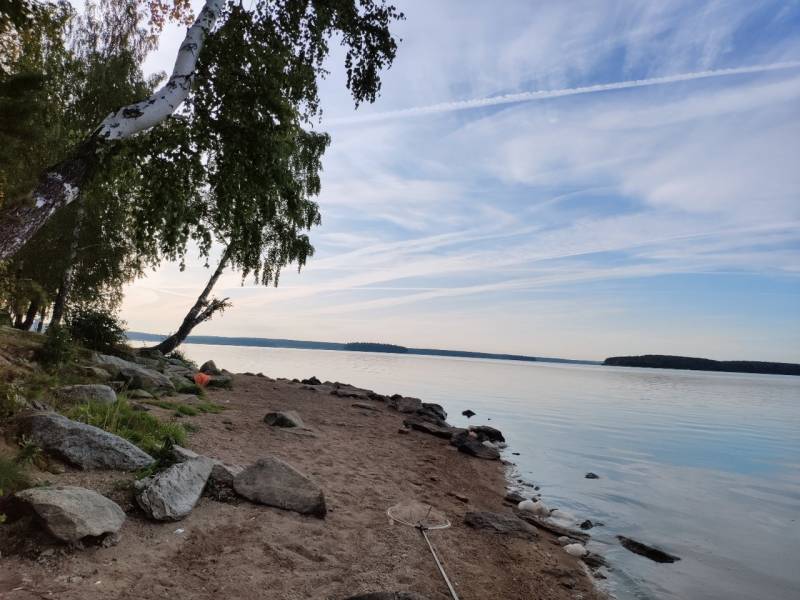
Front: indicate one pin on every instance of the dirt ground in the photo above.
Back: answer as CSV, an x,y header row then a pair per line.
x,y
241,550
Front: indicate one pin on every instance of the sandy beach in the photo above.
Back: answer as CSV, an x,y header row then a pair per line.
x,y
230,548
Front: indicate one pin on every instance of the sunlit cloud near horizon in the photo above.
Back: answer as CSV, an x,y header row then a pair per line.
x,y
573,179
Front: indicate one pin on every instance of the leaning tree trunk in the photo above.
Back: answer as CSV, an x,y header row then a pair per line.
x,y
62,183
202,310
64,290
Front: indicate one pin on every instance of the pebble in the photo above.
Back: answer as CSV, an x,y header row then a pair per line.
x,y
576,550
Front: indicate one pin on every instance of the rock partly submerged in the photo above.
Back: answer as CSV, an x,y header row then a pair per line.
x,y
273,482
71,513
503,523
650,552
82,445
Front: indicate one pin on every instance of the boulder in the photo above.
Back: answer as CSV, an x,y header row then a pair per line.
x,y
91,392
418,424
82,445
224,380
591,475
405,404
72,513
273,482
210,368
468,413
388,596
311,381
503,523
286,418
433,410
514,497
136,375
535,507
183,385
139,395
587,524
478,449
172,494
484,432
222,474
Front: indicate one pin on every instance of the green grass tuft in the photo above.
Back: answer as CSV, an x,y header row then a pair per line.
x,y
12,476
189,410
138,427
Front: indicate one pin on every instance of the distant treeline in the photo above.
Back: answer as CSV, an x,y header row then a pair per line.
x,y
357,346
661,361
372,347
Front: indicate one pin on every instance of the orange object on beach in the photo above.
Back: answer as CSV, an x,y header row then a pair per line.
x,y
202,379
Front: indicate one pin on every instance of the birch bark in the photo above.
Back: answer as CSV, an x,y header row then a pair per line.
x,y
61,184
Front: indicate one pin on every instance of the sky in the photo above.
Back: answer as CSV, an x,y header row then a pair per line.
x,y
578,179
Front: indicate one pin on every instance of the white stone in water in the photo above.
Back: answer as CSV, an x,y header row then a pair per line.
x,y
564,540
576,550
537,508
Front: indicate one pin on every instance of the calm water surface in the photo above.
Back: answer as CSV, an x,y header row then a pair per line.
x,y
704,465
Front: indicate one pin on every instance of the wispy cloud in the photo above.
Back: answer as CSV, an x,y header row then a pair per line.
x,y
442,107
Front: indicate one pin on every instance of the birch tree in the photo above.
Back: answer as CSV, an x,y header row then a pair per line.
x,y
301,29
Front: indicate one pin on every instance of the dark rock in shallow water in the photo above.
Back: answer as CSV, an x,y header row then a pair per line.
x,y
591,475
311,381
557,530
484,432
514,497
503,523
468,413
587,524
653,554
479,450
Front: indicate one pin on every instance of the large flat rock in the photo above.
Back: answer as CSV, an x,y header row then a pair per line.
x,y
137,375
172,494
275,483
84,446
72,513
90,392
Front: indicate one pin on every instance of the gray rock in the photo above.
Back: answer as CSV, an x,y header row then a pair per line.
x,y
286,418
364,406
273,482
72,513
418,424
139,395
431,409
222,474
225,380
650,552
82,445
95,373
90,392
183,385
210,368
136,375
503,523
478,449
405,404
484,432
173,493
388,596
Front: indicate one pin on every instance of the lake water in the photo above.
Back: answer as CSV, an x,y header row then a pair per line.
x,y
703,465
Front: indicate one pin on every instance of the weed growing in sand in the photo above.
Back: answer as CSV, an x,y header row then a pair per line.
x,y
29,452
141,428
189,410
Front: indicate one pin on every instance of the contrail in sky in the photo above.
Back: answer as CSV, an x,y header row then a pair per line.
x,y
546,94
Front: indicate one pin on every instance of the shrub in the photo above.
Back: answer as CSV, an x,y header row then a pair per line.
x,y
11,399
57,348
97,330
182,357
139,427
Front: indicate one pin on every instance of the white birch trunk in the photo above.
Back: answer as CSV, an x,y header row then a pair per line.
x,y
62,183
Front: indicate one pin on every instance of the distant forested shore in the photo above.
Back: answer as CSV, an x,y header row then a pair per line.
x,y
661,361
352,347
